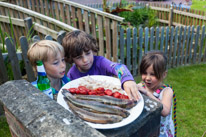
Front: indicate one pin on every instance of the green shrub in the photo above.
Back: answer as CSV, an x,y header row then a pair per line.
x,y
142,17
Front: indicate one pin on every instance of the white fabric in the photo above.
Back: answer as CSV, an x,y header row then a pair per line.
x,y
166,123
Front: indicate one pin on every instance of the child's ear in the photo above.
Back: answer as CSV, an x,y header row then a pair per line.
x,y
165,75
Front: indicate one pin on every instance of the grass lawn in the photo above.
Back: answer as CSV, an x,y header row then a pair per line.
x,y
189,83
4,128
198,5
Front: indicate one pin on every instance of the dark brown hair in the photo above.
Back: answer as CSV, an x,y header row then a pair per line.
x,y
76,42
158,60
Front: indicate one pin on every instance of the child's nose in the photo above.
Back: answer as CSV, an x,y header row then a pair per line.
x,y
148,77
85,59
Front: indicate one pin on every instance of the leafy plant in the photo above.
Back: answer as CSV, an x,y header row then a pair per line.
x,y
143,17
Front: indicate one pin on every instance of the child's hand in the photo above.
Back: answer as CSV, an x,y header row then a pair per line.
x,y
131,89
142,90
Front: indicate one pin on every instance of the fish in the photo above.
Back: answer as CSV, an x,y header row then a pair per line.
x,y
95,106
94,117
123,103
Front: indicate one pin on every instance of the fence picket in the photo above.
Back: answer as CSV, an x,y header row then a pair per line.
x,y
13,57
146,39
162,39
166,40
101,37
201,44
128,49
108,38
3,74
134,54
191,45
140,44
28,67
196,43
183,45
175,46
122,46
179,46
187,45
157,38
170,49
151,38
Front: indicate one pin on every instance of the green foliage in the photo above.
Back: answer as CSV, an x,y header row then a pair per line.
x,y
142,17
189,86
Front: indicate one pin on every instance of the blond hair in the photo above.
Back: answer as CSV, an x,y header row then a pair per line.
x,y
42,50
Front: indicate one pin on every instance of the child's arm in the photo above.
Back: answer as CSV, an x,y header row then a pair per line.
x,y
121,71
166,98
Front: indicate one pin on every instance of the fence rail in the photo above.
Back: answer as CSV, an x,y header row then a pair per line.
x,y
101,25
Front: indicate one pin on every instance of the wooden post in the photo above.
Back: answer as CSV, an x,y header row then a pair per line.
x,y
60,37
170,16
29,26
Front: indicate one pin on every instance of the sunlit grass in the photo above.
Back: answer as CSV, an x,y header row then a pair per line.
x,y
198,5
189,83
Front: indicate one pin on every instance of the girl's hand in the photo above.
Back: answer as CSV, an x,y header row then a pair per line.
x,y
131,89
142,90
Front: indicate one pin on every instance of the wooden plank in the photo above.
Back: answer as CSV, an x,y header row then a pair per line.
x,y
41,7
175,46
52,9
191,45
134,54
140,44
187,45
28,67
13,58
68,14
46,3
196,44
162,39
183,46
128,49
101,36
56,10
157,38
166,40
115,40
146,39
151,38
201,44
62,16
93,25
3,70
108,38
179,48
86,22
80,20
170,48
46,31
74,17
122,46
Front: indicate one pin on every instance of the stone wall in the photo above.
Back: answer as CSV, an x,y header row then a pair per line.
x,y
30,113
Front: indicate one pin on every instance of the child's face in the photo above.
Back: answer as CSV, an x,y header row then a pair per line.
x,y
84,62
55,66
150,80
